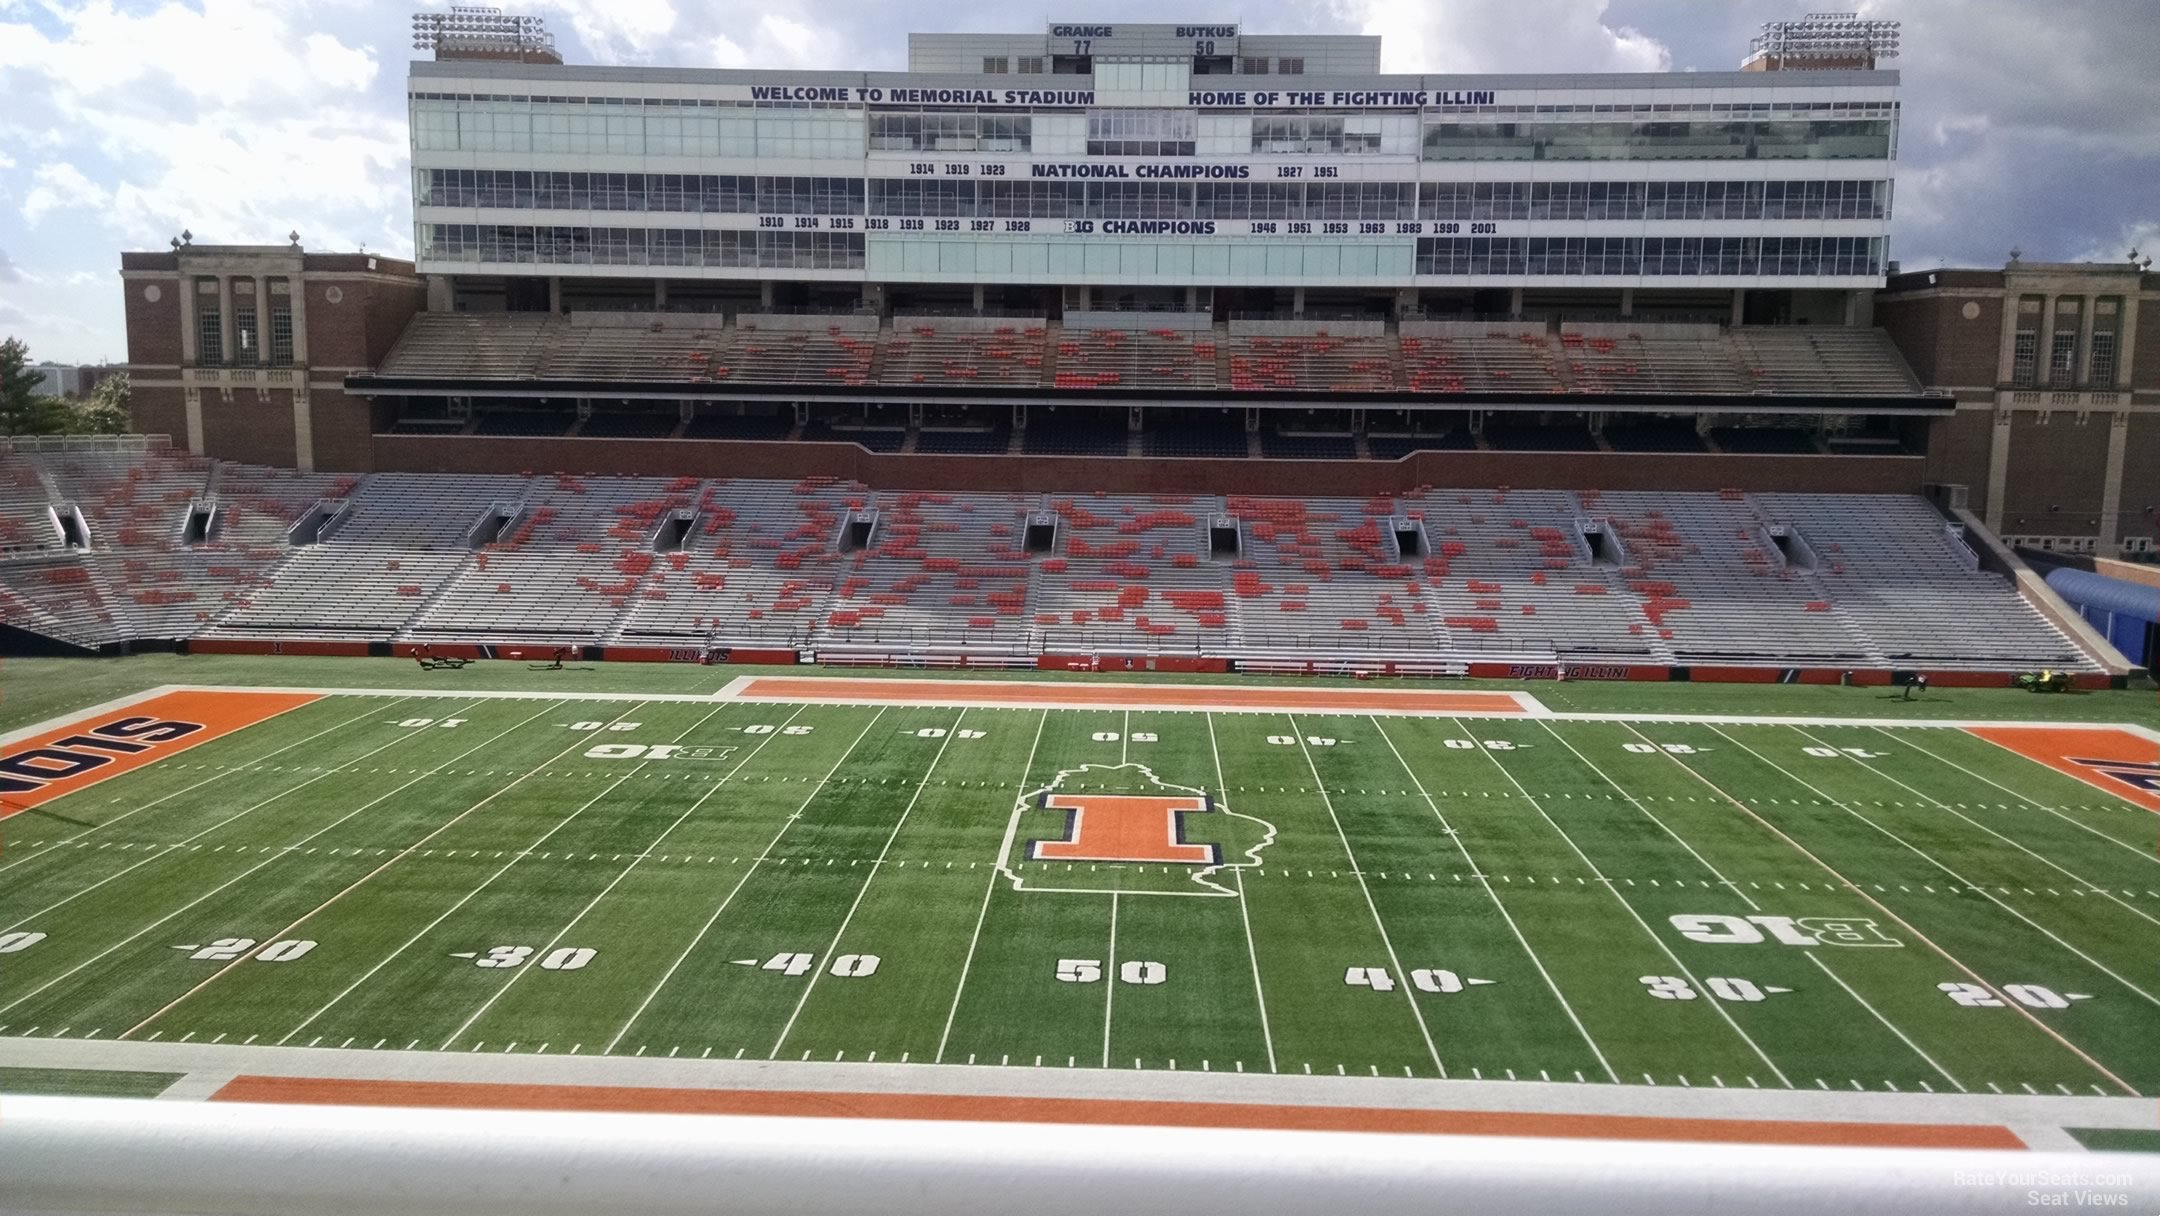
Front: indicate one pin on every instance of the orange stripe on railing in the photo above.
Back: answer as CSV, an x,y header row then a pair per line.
x,y
645,1100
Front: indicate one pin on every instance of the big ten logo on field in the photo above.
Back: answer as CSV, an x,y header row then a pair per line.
x,y
61,760
1784,930
1118,826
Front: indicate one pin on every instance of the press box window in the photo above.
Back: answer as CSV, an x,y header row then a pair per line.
x,y
1290,67
996,65
1253,66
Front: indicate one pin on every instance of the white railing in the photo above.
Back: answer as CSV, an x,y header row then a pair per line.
x,y
122,1156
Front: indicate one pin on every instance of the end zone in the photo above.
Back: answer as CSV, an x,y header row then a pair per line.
x,y
1214,698
47,763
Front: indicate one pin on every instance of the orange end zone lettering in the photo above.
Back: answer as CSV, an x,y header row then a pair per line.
x,y
62,759
2116,761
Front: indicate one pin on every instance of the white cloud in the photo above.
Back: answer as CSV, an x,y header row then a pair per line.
x,y
2143,236
616,31
57,187
339,66
1503,36
776,40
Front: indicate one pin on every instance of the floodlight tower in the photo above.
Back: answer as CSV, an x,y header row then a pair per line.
x,y
482,32
1821,42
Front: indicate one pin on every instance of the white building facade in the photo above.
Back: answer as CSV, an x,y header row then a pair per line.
x,y
1161,163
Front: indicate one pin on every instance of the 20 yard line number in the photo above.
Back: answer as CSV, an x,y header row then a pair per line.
x,y
226,949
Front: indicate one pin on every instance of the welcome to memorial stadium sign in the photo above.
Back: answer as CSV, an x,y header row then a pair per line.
x,y
1203,99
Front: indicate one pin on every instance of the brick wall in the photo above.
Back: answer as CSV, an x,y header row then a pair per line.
x,y
252,427
1957,452
153,326
2139,510
2145,370
2056,465
342,433
1946,348
159,411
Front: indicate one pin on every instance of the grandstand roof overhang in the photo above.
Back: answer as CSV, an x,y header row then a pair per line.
x,y
373,385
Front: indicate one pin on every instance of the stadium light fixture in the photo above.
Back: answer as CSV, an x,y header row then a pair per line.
x,y
480,29
1826,38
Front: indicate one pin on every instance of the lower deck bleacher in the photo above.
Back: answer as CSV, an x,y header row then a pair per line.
x,y
1878,581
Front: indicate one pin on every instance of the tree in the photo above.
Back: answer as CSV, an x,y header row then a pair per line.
x,y
105,411
25,411
22,409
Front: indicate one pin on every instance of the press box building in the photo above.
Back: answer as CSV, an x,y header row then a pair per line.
x,y
1181,167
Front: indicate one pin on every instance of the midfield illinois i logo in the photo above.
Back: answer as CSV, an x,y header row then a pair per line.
x,y
1121,828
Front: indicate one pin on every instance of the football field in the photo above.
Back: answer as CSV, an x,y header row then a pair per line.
x,y
1073,876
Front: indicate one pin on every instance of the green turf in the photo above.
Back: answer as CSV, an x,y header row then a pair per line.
x,y
843,883
32,690
85,1082
2117,1139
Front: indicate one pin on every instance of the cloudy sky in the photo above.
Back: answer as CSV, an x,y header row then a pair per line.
x,y
2029,123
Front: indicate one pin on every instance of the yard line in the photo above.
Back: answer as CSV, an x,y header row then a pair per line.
x,y
1486,882
1252,952
2140,913
1109,981
1027,769
217,776
1320,785
920,785
394,858
748,870
1923,854
1716,1006
1749,899
2137,849
1883,908
274,856
634,860
164,850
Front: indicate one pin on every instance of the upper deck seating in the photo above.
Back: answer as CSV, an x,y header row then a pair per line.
x,y
1139,357
805,349
964,350
1478,356
1823,360
1361,358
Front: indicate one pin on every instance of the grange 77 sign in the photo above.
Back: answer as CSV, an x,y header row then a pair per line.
x,y
60,760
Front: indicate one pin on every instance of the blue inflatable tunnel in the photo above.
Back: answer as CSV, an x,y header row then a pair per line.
x,y
2127,613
